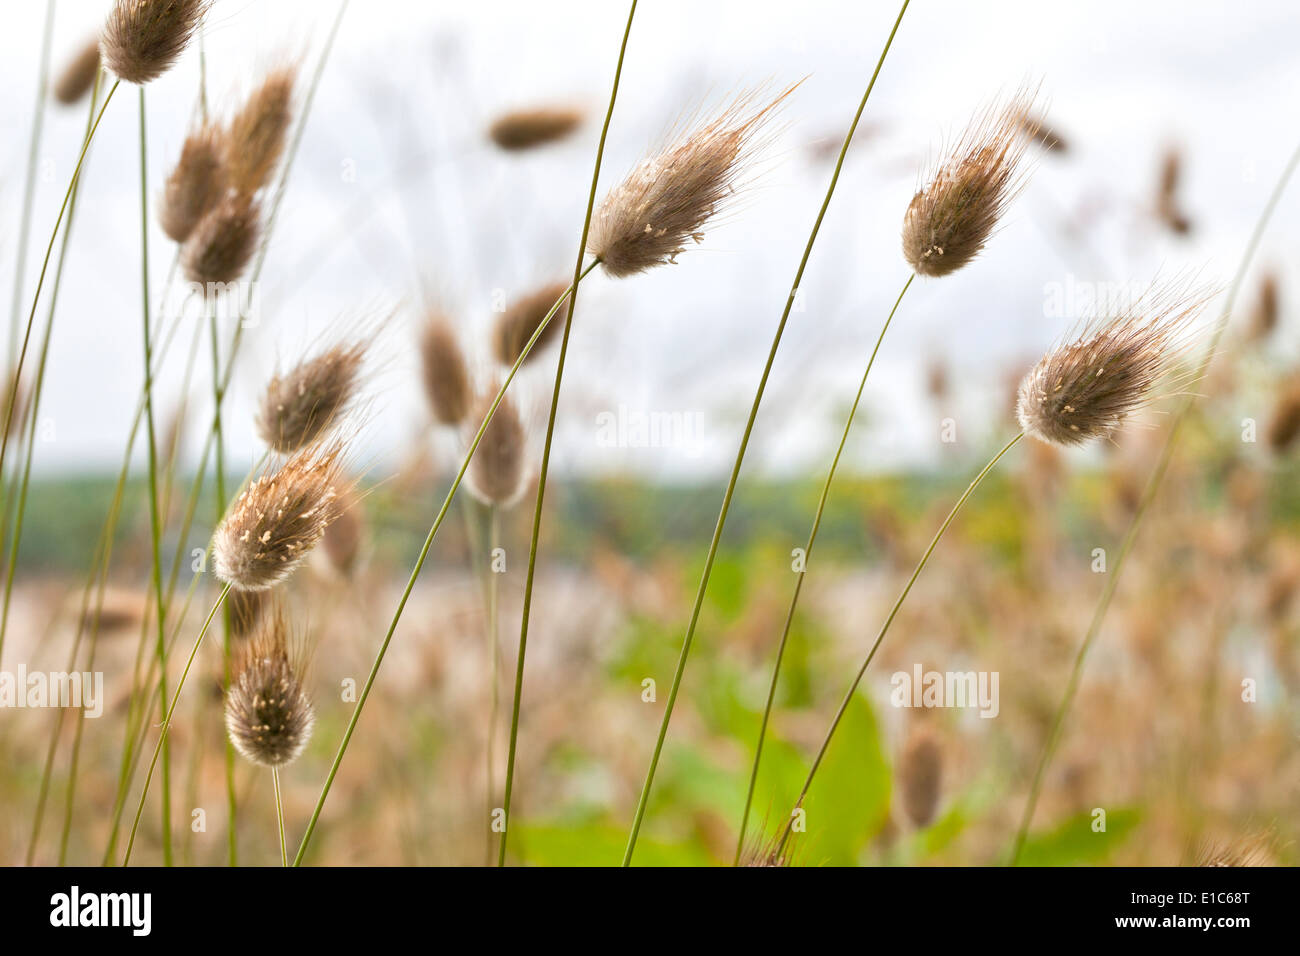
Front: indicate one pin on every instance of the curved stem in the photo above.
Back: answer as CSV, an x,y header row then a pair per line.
x,y
419,564
740,454
155,520
29,177
546,451
494,641
219,444
33,414
279,815
807,555
884,629
12,401
1148,495
167,721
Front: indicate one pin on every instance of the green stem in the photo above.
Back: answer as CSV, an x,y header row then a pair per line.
x,y
12,401
494,640
155,520
219,444
419,564
807,556
1148,495
546,453
34,413
29,178
740,454
167,721
884,629
279,816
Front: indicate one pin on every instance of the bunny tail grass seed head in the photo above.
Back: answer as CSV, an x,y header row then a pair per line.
x,y
920,776
1085,389
664,204
78,75
948,221
443,372
143,38
256,136
195,186
525,129
299,407
222,244
516,325
279,518
245,609
497,473
269,716
1284,426
1254,849
345,537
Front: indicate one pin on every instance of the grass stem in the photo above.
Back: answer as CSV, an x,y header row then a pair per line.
x,y
884,629
744,444
546,452
798,584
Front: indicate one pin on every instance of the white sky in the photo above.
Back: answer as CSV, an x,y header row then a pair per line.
x,y
411,85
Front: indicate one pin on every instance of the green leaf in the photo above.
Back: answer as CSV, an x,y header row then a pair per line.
x,y
1074,843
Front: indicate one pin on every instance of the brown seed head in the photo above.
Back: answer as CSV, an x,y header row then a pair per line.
x,y
269,716
278,519
948,222
345,536
666,201
195,186
299,407
1085,389
920,776
516,324
1285,424
444,372
222,244
245,609
765,851
143,38
1267,309
256,137
1253,850
1035,127
1168,208
497,471
529,128
78,74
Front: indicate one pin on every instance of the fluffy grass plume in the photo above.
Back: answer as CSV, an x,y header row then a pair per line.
x,y
666,201
443,372
269,716
256,136
950,219
300,406
222,244
1085,389
1284,426
525,129
920,776
143,38
195,186
516,325
279,518
345,536
497,473
78,75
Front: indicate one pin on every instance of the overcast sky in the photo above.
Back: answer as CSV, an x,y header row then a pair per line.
x,y
396,197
